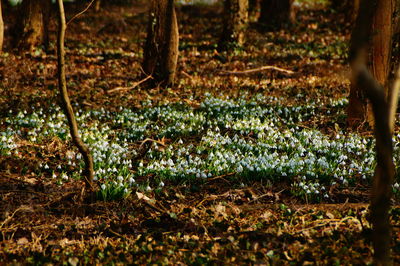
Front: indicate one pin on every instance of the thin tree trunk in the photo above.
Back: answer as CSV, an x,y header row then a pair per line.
x,y
235,22
66,104
161,48
276,13
374,90
1,28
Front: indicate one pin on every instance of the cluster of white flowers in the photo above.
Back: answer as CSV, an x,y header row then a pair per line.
x,y
257,139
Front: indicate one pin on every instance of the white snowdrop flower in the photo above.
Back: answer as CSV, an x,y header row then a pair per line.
x,y
131,180
396,185
54,175
148,188
120,178
103,186
161,184
46,166
180,141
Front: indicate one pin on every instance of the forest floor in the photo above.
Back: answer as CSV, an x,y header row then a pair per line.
x,y
227,218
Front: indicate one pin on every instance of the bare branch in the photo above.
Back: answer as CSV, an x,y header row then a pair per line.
x,y
255,70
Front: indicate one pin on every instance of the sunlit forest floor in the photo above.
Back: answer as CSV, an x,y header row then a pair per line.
x,y
219,169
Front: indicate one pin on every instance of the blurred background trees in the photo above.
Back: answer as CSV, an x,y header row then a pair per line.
x,y
276,13
161,47
235,20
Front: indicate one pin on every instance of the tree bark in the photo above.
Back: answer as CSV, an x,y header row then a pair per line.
x,y
66,103
382,107
30,30
235,22
276,13
161,48
1,28
381,32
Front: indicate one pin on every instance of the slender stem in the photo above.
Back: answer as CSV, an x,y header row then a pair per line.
x,y
66,103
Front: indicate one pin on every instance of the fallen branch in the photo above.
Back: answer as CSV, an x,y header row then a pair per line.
x,y
255,70
160,142
130,88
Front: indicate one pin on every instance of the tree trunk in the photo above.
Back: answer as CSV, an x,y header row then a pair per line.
x,y
161,48
276,13
30,30
1,28
367,26
66,103
380,46
235,22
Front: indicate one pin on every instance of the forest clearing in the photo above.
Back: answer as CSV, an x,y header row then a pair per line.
x,y
244,153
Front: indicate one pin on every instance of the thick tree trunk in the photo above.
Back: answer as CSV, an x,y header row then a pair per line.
x,y
359,109
1,28
235,22
30,30
276,13
161,48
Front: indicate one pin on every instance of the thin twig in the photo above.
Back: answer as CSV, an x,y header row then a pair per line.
x,y
80,13
255,70
130,88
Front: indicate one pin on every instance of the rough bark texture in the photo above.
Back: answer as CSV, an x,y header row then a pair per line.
x,y
1,28
385,170
276,13
66,104
161,48
235,22
379,62
30,30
